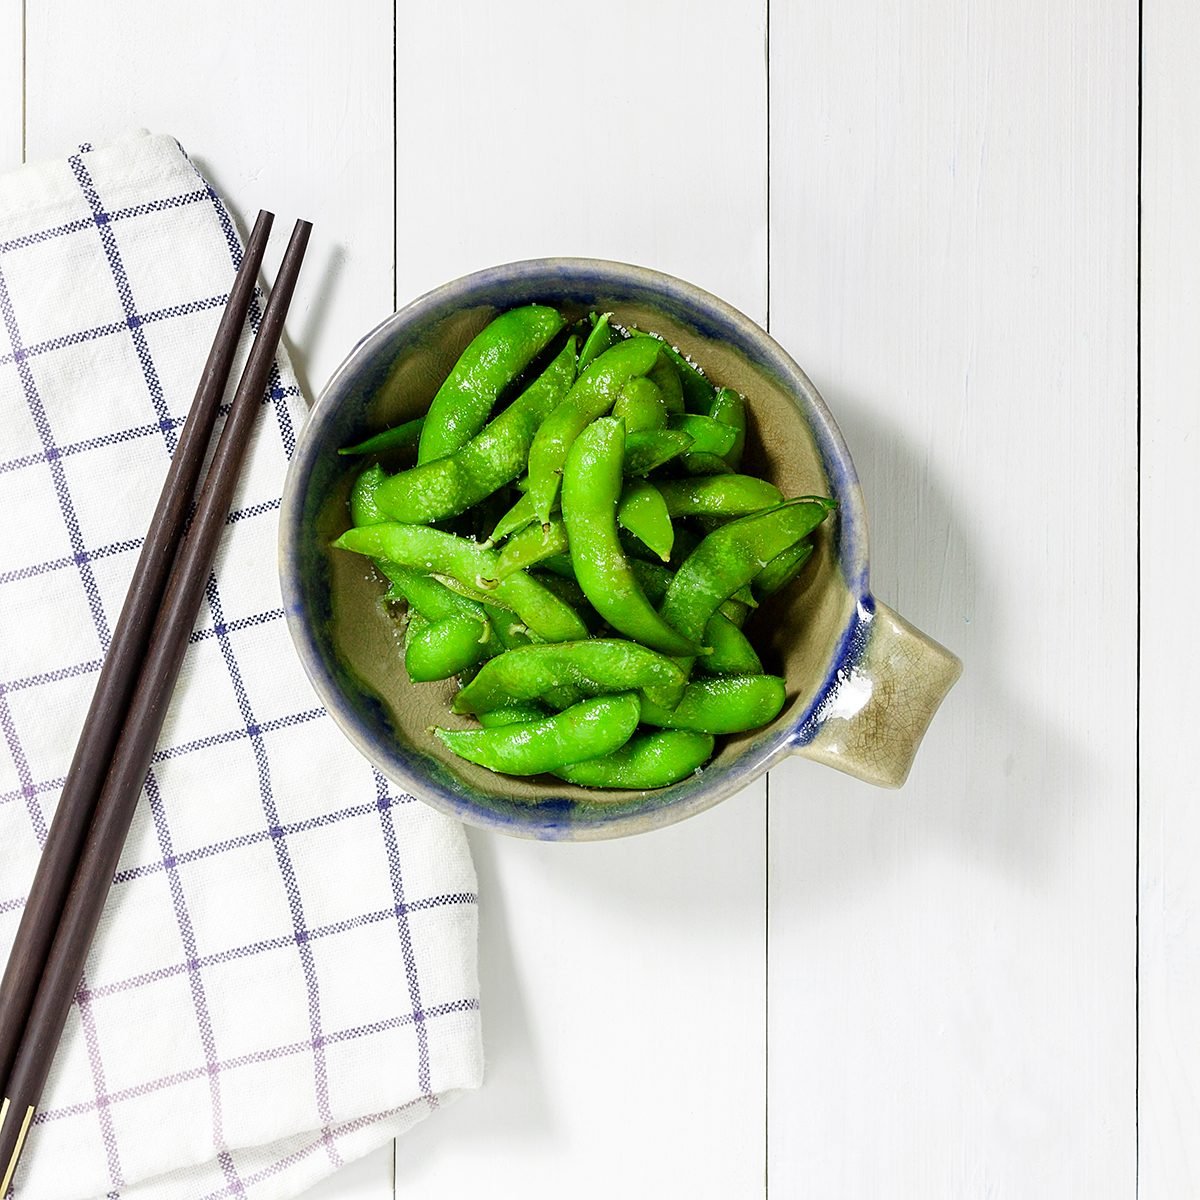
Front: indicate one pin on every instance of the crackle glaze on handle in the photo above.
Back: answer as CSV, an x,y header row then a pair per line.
x,y
872,720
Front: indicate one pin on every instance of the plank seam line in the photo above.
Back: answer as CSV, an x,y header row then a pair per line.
x,y
1137,708
24,82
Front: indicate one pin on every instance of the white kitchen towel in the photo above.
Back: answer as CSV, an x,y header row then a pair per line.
x,y
285,975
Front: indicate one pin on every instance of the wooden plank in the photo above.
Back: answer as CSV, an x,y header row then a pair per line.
x,y
954,259
1169,987
12,79
282,108
623,983
637,134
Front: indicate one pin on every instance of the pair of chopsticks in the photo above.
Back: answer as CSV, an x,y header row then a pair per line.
x,y
130,703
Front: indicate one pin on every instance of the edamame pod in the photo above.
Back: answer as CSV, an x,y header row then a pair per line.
x,y
732,653
697,391
649,449
653,578
494,358
782,569
531,545
592,396
364,506
446,647
589,729
718,496
640,405
601,665
723,704
600,339
666,378
708,436
511,714
400,437
729,557
643,512
705,464
730,409
424,595
729,657
649,760
591,489
472,565
517,517
450,485
734,610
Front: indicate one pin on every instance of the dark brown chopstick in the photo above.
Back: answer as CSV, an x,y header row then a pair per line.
x,y
102,725
143,723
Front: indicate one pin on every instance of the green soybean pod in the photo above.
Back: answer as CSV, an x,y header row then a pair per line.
x,y
592,396
399,437
729,557
426,596
640,405
443,648
708,436
600,339
589,729
730,409
782,569
705,464
718,496
517,517
591,487
648,760
599,665
722,704
364,504
413,627
666,378
643,512
531,545
472,566
495,456
507,627
697,391
653,578
481,594
511,714
734,610
649,449
494,358
732,653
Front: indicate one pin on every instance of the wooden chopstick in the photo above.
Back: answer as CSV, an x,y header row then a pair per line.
x,y
122,663
147,710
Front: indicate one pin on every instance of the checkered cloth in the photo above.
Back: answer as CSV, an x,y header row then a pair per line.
x,y
285,973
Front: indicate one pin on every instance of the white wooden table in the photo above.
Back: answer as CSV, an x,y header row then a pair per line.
x,y
975,224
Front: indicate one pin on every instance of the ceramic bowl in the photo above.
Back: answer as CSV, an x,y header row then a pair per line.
x,y
862,683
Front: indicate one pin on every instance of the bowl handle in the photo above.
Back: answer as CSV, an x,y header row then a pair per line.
x,y
873,719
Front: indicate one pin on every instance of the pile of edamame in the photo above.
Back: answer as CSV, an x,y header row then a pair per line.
x,y
583,561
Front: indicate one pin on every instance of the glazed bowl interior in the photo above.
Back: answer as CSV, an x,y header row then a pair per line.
x,y
351,646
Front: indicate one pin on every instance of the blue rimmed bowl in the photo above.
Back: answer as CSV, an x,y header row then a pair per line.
x,y
862,683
